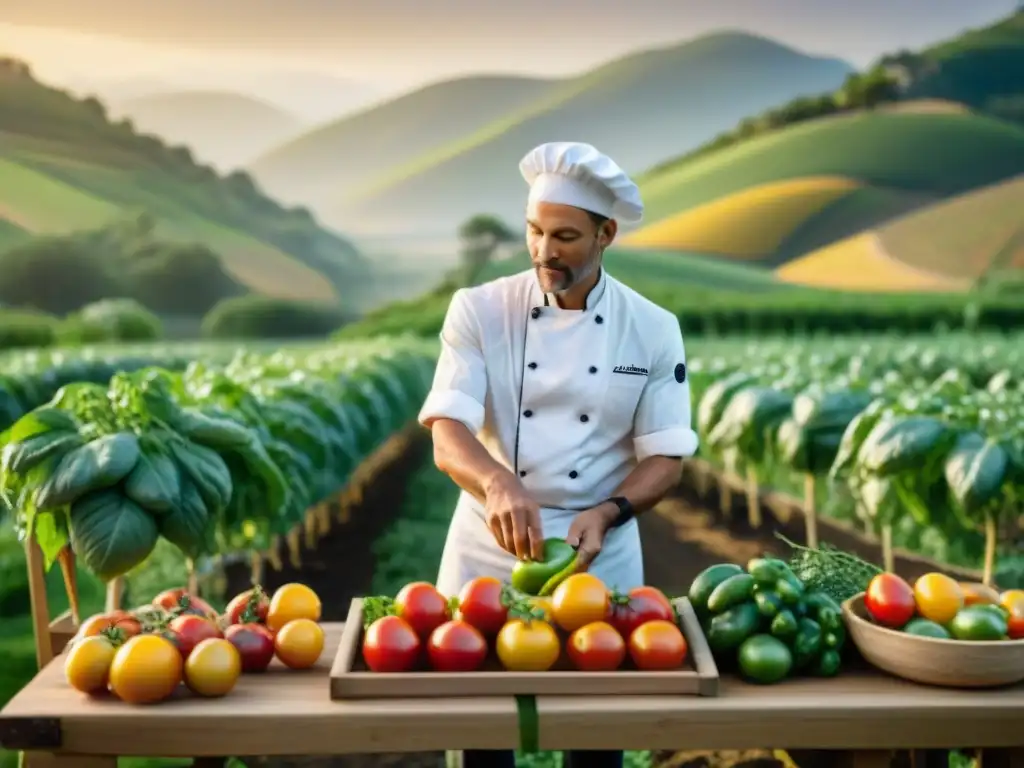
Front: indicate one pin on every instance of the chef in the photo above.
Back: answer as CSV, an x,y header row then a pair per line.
x,y
560,404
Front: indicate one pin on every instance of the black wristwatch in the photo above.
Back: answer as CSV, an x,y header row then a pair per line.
x,y
626,512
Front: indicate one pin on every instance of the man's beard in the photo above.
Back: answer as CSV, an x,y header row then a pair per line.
x,y
568,277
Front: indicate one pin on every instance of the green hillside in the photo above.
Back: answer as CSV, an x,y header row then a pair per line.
x,y
229,129
65,165
639,109
339,157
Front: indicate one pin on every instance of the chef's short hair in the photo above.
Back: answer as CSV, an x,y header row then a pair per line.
x,y
597,218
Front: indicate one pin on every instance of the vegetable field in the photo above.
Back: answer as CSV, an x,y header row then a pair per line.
x,y
921,442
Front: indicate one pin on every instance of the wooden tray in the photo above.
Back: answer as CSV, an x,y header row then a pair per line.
x,y
350,679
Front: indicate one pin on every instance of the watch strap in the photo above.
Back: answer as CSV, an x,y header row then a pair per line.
x,y
626,511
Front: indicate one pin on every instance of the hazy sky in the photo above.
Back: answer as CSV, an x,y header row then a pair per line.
x,y
400,43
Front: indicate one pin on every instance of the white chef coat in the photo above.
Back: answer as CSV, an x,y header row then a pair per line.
x,y
570,400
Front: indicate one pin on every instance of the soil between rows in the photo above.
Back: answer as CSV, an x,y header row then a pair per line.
x,y
679,539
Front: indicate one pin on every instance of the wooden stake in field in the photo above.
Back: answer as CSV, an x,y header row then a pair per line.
x,y
255,568
66,558
810,511
753,499
888,558
991,537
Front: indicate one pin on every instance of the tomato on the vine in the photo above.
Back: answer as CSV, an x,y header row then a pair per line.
x,y
480,604
456,646
254,598
180,599
528,645
579,600
422,607
638,606
192,630
596,647
390,644
657,645
890,600
125,622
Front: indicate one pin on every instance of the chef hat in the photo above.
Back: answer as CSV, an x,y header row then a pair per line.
x,y
571,173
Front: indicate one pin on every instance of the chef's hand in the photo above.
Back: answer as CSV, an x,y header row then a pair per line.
x,y
514,518
587,532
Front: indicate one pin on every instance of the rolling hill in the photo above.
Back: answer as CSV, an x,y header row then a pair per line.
x,y
64,165
339,157
639,109
223,128
803,187
945,246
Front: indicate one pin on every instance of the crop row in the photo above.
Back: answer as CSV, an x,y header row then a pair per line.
x,y
925,435
212,457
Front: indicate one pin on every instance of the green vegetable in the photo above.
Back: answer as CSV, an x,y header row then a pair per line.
x,y
790,591
532,576
98,464
976,623
808,643
784,626
828,570
727,630
827,664
926,628
706,581
764,659
768,603
765,572
110,534
733,591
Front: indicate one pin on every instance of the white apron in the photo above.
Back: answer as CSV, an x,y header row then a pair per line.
x,y
568,400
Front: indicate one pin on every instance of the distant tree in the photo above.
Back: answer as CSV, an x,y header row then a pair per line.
x,y
481,236
867,90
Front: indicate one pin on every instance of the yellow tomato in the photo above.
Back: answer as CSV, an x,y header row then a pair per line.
x,y
580,600
290,602
145,670
938,597
87,665
1011,597
527,646
298,644
213,667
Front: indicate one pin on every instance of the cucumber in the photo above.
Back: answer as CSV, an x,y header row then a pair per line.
x,y
727,630
733,591
764,571
706,581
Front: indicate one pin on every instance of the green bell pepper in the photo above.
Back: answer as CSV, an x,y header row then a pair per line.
x,y
540,577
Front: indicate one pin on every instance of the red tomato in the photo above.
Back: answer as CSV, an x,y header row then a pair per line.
x,y
391,645
596,647
172,599
191,631
456,646
259,602
255,644
480,605
422,607
1015,624
890,600
657,645
639,606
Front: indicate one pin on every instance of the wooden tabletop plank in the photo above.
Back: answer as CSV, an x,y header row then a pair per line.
x,y
280,712
284,712
857,709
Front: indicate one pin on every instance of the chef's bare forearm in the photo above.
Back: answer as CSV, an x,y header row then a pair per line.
x,y
648,483
462,457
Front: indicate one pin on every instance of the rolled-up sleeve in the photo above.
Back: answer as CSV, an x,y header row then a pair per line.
x,y
460,380
663,422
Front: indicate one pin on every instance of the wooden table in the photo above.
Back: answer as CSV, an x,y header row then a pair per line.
x,y
285,712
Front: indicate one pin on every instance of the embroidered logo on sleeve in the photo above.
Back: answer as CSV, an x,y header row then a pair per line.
x,y
680,373
631,370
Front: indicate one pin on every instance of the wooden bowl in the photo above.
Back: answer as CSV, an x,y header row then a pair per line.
x,y
930,660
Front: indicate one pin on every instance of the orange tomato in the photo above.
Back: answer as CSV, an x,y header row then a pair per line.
x,y
128,625
213,667
580,600
596,647
938,597
290,602
1015,622
527,646
1011,597
87,665
145,670
657,645
299,643
542,604
975,594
